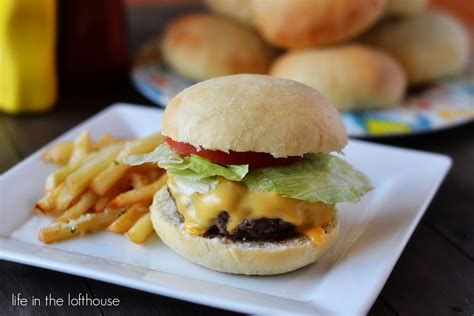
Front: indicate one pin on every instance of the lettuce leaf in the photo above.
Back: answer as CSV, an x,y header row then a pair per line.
x,y
191,173
317,177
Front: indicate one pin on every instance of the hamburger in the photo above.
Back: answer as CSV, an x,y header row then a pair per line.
x,y
251,185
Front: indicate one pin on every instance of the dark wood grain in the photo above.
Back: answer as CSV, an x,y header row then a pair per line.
x,y
451,212
431,278
9,154
30,132
132,303
36,282
380,307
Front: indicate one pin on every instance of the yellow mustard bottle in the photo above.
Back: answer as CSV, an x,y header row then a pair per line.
x,y
28,81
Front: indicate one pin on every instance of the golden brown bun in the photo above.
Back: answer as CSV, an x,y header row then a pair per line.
x,y
221,254
306,23
406,7
236,9
429,46
256,113
202,46
350,76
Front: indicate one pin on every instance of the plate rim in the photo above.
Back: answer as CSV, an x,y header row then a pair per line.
x,y
128,281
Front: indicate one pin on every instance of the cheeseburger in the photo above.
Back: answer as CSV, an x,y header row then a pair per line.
x,y
252,186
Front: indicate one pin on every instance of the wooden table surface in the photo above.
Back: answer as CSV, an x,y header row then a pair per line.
x,y
434,275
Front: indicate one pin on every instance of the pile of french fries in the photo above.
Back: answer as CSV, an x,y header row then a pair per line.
x,y
94,190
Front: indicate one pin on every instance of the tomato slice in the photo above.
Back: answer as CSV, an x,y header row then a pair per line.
x,y
251,158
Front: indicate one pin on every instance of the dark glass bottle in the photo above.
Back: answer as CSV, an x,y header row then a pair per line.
x,y
92,48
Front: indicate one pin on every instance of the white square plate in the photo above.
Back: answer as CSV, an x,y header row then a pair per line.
x,y
347,280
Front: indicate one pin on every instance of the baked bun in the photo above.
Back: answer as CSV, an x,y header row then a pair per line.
x,y
202,46
306,23
350,76
238,257
429,46
232,113
405,7
236,9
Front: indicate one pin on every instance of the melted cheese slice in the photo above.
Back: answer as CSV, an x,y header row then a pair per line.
x,y
316,234
201,210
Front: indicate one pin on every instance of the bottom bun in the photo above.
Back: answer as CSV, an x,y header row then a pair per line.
x,y
238,257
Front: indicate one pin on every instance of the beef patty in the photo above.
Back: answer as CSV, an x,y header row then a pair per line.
x,y
262,229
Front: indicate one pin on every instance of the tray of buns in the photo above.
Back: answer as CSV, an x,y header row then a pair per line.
x,y
390,70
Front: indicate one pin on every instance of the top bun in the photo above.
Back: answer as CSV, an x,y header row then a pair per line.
x,y
255,113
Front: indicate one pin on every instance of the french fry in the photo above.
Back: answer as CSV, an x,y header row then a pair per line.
x,y
106,179
93,178
96,222
82,146
59,153
37,211
119,187
140,177
128,219
143,194
116,169
139,180
57,232
64,199
154,174
86,201
146,168
80,179
141,230
105,140
58,176
85,224
47,204
101,203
